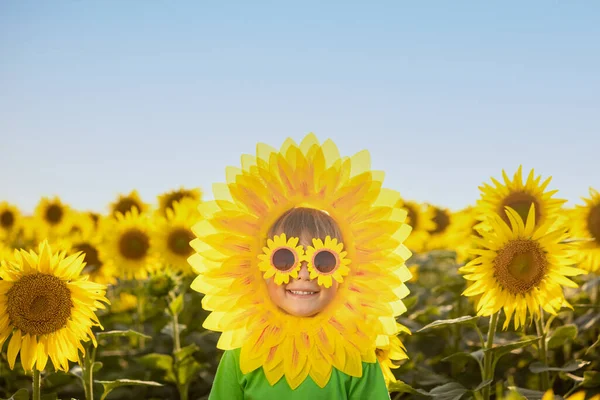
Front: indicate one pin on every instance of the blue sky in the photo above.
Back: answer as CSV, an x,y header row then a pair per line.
x,y
100,97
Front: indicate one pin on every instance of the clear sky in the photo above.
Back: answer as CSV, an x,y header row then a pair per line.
x,y
100,97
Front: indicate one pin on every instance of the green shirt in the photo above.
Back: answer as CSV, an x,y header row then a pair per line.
x,y
231,384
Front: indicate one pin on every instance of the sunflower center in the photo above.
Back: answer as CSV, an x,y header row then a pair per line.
x,y
521,203
7,219
593,222
126,204
54,214
92,261
520,265
442,220
134,244
413,217
39,304
179,241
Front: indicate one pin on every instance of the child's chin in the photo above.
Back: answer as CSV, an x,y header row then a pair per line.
x,y
304,311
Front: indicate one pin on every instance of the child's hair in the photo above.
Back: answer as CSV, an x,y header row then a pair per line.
x,y
307,221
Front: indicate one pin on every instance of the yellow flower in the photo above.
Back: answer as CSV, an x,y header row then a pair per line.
x,y
332,247
88,242
586,224
519,196
172,234
52,217
127,243
520,268
166,200
439,236
9,220
124,303
580,395
277,245
128,202
232,234
466,225
420,218
47,307
81,224
389,354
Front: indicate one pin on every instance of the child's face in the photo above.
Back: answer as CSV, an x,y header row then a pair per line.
x,y
289,298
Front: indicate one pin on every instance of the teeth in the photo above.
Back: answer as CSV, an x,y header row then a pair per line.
x,y
301,292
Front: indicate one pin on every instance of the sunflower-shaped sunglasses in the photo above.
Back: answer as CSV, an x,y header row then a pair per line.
x,y
282,259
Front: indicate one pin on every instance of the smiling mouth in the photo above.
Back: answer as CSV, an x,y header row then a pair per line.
x,y
301,293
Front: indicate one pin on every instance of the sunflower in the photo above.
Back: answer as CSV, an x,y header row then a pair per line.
x,y
420,218
520,196
47,307
388,355
128,202
520,268
80,224
586,224
166,200
234,230
9,220
439,236
52,217
172,234
334,248
88,243
127,244
124,303
276,245
466,225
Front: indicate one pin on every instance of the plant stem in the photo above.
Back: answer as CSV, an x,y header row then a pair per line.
x,y
597,299
140,314
176,342
36,385
488,372
181,388
88,373
545,376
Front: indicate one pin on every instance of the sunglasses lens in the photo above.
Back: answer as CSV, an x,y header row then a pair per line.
x,y
325,261
283,259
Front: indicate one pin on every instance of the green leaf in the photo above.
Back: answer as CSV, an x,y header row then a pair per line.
x,y
128,333
176,306
21,394
463,357
449,391
168,329
401,387
560,335
500,351
466,320
186,352
109,386
482,385
531,394
593,346
160,362
591,379
571,366
187,366
97,366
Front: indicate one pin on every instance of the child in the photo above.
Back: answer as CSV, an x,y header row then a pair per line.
x,y
301,261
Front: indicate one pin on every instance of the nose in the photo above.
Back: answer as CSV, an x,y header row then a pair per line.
x,y
303,273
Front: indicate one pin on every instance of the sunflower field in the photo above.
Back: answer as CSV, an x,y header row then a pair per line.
x,y
504,299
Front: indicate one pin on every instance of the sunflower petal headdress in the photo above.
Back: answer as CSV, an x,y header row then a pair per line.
x,y
233,234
